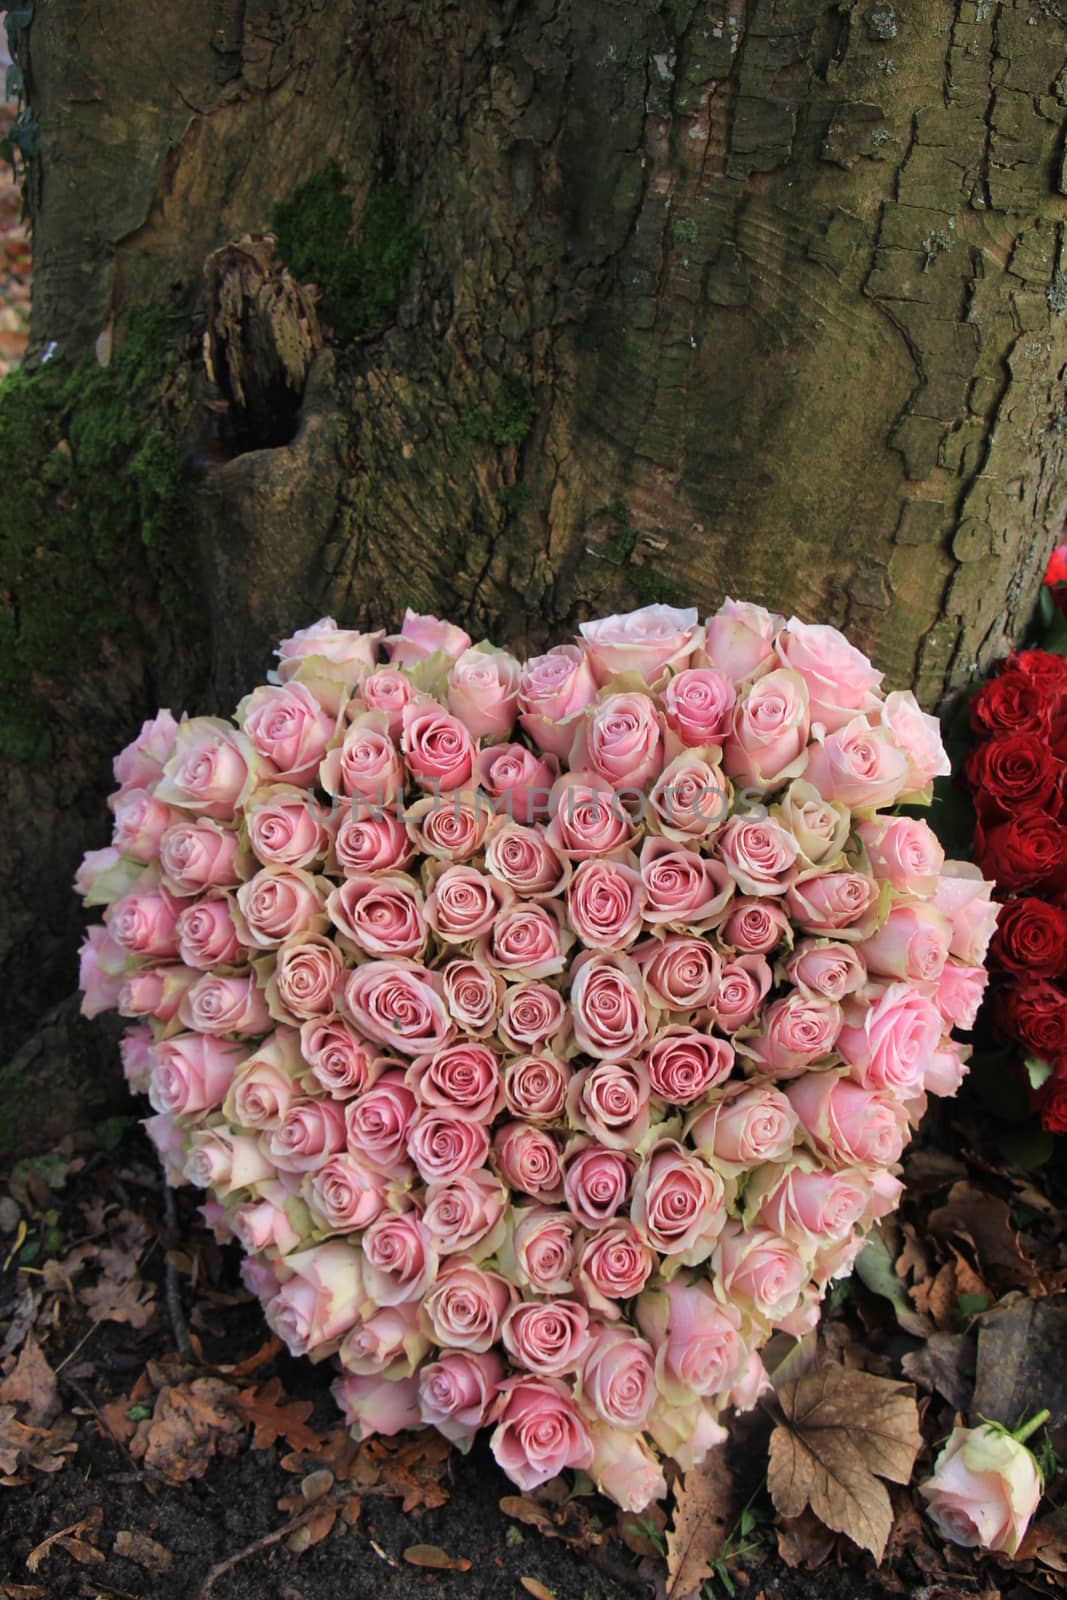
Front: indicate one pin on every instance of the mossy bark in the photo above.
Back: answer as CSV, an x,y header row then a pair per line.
x,y
763,297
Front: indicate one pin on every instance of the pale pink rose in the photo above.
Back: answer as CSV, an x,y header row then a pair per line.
x,y
388,690
341,1064
679,1203
888,1043
381,913
104,876
858,765
144,922
532,1015
421,636
136,1061
523,859
947,1068
278,902
399,1004
284,829
685,891
753,1382
647,642
804,1317
609,1013
191,1073
527,941
610,1102
621,739
518,782
805,1202
212,768
368,839
984,1489
140,765
965,898
547,1336
756,926
842,903
456,1391
691,798
215,1004
624,1468
338,655
377,1125
760,1271
614,1264
596,1182
846,1123
207,935
795,1032
698,706
307,971
538,1432
464,904
605,900
535,1088
451,827
911,943
438,748
619,1376
768,744
266,1083
541,1251
683,1064
918,735
474,996
158,992
527,1159
697,1341
467,1214
169,1140
483,690
224,1161
310,1133
827,967
820,828
399,1259
288,727
904,851
739,639
747,1125
446,1145
555,689
960,990
366,765
743,985
387,1341
466,1306
685,1432
140,822
681,974
759,855
374,1405
267,1223
344,1196
463,1079
199,853
587,817
840,679
260,1277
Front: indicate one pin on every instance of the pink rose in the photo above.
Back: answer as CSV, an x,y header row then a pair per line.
x,y
684,1064
367,839
807,1203
265,1084
691,798
381,913
226,1161
984,1489
336,656
965,898
685,891
747,1125
839,678
772,721
550,1337
399,1259
681,974
283,829
399,1004
438,748
903,851
946,1068
540,1253
377,1125
456,1392
136,1061
697,1341
756,926
464,904
518,782
739,639
421,636
288,727
621,739
647,642
846,1123
310,1133
527,1159
342,1195
759,855
144,922
823,966
610,1102
527,941
845,903
388,1341
624,1468
341,1064
859,766
319,1300
446,1145
388,690
140,765
605,900
140,822
532,1015
959,993
796,1031
191,1073
374,1405
366,765
918,735
679,1203
483,691
596,1182
278,902
887,1044
467,1214
820,828
608,1006
211,769
555,689
760,1271
307,970
524,860
104,876
215,1004
614,1264
535,1088
474,996
159,992
587,817
698,706
911,943
685,1433
207,935
743,984
201,854
466,1306
169,1141
463,1079
264,1224
538,1432
451,827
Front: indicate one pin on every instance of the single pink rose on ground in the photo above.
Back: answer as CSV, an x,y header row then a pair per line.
x,y
467,1306
456,1392
739,639
483,690
538,1432
768,743
840,679
288,727
646,642
984,1489
554,691
374,1405
140,765
421,636
679,1203
621,739
698,706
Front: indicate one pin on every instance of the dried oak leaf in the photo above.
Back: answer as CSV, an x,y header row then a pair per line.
x,y
189,1424
703,1512
41,1449
31,1384
273,1418
145,1552
415,1470
842,1431
76,1540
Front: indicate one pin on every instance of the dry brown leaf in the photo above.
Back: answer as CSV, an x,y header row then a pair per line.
x,y
76,1540
804,1542
415,1470
944,1363
32,1384
1046,1541
138,1547
842,1432
432,1556
113,1300
539,1590
313,1531
189,1425
22,1591
272,1417
1022,1361
984,1221
703,1512
23,1449
634,1529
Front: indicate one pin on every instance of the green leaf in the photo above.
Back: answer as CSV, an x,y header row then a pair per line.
x,y
1027,1147
1037,1071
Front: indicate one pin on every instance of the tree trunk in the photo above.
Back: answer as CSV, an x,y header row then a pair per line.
x,y
760,298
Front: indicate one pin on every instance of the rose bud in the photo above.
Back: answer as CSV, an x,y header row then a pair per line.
x,y
839,678
474,996
265,1085
697,1341
381,914
826,967
533,1015
191,1073
540,1254
374,1405
605,900
341,1064
888,1044
368,839
596,1182
690,799
848,1124
538,1432
587,818
343,1196
527,1159
647,641
467,1214
483,691
140,764
746,1125
225,1161
535,1088
456,1392
756,926
275,1222
399,1259
621,740
624,1467
421,636
984,1489
859,766
614,1264
159,992
212,769
466,1306
283,828
438,749
451,828
554,691
289,728
903,851
698,706
377,1124
310,1133
681,974
366,765
739,639
760,1271
207,934
399,1004
319,1300
769,741
686,891
547,1336
446,1145
105,876
464,904
679,1203
462,1079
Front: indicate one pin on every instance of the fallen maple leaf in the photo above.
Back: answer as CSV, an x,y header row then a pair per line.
x,y
842,1431
273,1418
189,1424
703,1511
32,1384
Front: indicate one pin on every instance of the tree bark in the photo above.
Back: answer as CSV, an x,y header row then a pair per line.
x,y
784,281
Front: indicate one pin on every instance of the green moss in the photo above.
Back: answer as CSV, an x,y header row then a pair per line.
x,y
515,498
509,420
361,279
642,578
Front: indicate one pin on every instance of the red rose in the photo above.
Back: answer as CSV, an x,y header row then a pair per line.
x,y
1056,572
1052,1106
1012,772
1029,852
1030,938
1011,703
1045,669
1035,1013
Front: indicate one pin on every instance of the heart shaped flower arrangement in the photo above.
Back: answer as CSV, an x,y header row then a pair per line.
x,y
546,1033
